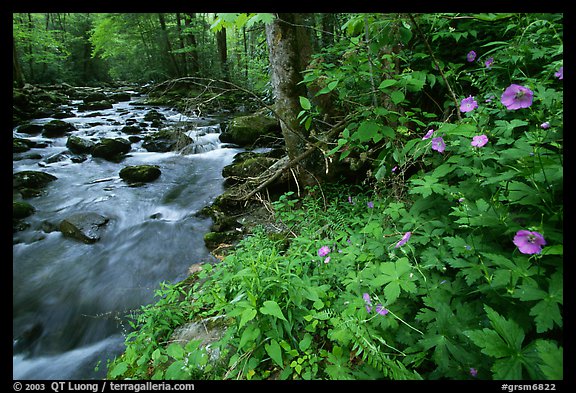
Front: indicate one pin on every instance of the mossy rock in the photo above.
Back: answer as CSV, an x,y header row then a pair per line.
x,y
31,179
252,130
111,149
22,209
140,173
214,239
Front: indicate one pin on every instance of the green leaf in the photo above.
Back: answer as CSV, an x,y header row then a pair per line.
x,y
552,359
250,334
367,130
509,330
175,350
305,103
304,344
397,97
275,352
119,369
387,83
176,371
270,307
508,368
247,316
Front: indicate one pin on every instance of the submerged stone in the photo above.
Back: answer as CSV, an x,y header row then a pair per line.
x,y
85,227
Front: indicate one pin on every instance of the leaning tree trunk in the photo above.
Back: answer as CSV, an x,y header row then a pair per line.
x,y
288,53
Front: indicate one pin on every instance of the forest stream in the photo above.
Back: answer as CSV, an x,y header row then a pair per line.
x,y
71,299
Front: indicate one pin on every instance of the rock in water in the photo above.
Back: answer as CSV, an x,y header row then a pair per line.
x,y
86,227
140,173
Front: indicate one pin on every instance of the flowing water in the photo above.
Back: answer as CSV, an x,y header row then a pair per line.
x,y
70,299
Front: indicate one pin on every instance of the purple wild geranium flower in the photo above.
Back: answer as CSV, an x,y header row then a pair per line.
x,y
428,135
468,104
471,56
381,310
479,140
529,242
516,97
438,144
368,302
404,239
488,62
545,125
323,251
473,372
560,73
327,260
370,205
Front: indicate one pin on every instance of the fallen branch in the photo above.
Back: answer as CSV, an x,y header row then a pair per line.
x,y
335,130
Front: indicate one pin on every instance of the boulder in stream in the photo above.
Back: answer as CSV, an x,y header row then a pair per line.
x,y
166,140
111,149
136,174
86,227
56,128
257,129
31,180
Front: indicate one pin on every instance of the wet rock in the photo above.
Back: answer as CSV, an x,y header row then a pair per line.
x,y
56,128
111,149
29,336
31,129
131,129
140,173
253,130
95,106
31,179
19,145
22,209
85,227
166,140
214,240
79,145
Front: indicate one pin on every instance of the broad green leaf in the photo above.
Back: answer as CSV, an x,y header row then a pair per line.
x,y
387,83
175,350
367,130
509,368
275,352
391,292
270,307
304,344
305,103
397,97
119,369
509,330
176,371
247,316
552,360
490,342
250,335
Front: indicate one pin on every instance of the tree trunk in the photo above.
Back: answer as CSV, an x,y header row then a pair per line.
x,y
223,52
182,43
17,76
289,52
172,65
193,64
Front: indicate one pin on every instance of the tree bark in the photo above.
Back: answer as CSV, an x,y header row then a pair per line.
x,y
194,65
172,65
223,52
284,55
17,76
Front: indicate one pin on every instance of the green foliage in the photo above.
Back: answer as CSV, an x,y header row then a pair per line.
x,y
423,279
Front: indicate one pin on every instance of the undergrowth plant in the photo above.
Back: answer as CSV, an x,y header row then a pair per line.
x,y
449,267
